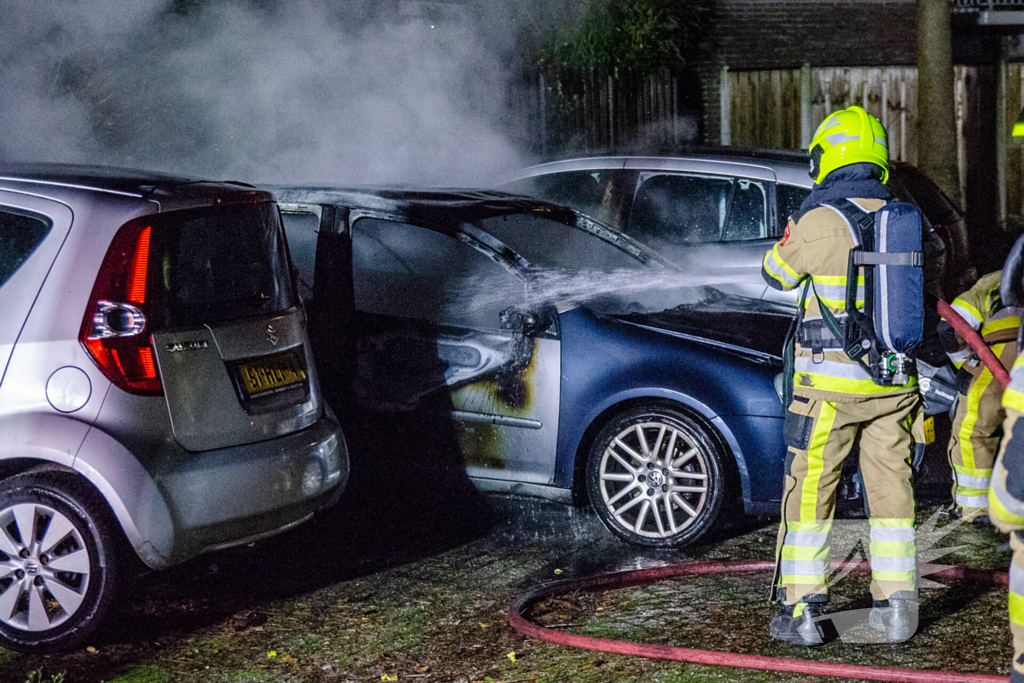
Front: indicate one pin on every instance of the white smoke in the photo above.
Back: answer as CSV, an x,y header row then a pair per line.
x,y
266,92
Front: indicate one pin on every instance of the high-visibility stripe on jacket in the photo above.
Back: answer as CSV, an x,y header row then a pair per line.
x,y
816,248
977,424
1006,493
1017,594
982,309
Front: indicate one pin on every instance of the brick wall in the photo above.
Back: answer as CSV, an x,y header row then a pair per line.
x,y
785,34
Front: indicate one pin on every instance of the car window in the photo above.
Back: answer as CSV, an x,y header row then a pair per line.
x,y
408,271
548,243
790,198
681,208
580,190
301,228
219,263
600,194
748,216
20,234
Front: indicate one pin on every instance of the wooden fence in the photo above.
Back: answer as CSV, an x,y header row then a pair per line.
x,y
589,110
781,109
765,108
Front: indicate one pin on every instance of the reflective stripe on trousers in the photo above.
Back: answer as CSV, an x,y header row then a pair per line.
x,y
975,438
804,559
893,553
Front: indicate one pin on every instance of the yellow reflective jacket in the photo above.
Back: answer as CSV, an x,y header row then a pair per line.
x,y
982,308
816,249
1006,493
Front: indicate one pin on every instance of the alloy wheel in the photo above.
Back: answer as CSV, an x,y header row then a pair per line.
x,y
44,567
653,479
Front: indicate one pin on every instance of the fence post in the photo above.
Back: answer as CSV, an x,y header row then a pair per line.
x,y
805,106
611,111
1001,129
543,118
826,86
960,111
903,117
726,105
885,102
675,111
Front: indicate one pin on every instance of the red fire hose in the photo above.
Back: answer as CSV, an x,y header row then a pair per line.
x,y
975,341
627,579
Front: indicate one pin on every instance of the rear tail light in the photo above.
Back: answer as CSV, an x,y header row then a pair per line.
x,y
114,331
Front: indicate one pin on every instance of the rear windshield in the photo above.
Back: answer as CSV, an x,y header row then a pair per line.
x,y
215,264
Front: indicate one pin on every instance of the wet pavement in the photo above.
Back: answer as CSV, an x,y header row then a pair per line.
x,y
412,581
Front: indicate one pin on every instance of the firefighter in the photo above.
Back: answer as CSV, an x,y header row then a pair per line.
x,y
835,400
978,423
1006,493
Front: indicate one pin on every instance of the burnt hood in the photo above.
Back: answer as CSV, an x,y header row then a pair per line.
x,y
754,324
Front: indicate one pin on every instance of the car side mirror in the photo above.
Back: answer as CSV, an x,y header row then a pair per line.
x,y
527,323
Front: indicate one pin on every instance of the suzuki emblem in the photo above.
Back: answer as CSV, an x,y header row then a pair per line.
x,y
271,337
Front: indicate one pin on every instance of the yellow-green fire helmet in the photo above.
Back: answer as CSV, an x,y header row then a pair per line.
x,y
849,136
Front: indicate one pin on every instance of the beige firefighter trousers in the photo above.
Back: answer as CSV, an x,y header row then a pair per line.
x,y
819,436
977,427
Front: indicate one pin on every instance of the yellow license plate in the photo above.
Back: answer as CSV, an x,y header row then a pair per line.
x,y
929,430
270,374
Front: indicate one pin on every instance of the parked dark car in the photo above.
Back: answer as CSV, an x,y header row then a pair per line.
x,y
718,210
658,406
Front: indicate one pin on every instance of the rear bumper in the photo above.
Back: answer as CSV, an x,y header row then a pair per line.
x,y
229,496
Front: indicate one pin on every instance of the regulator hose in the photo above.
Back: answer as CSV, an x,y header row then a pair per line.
x,y
975,341
640,577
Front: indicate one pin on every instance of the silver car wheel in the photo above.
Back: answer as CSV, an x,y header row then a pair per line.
x,y
44,567
653,479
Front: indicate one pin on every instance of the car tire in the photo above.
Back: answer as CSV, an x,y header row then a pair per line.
x,y
648,458
72,556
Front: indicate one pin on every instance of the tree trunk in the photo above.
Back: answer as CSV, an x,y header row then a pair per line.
x,y
935,99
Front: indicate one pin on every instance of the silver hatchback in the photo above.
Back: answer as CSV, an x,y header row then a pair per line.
x,y
157,388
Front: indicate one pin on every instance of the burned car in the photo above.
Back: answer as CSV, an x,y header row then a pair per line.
x,y
572,362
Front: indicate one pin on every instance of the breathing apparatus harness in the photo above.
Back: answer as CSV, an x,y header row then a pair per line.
x,y
887,366
882,336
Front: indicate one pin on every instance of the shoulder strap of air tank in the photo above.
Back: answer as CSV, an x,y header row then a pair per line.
x,y
864,220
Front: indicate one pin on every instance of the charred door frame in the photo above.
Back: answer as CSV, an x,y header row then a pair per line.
x,y
334,279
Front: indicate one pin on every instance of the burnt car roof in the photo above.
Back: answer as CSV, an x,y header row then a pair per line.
x,y
450,204
126,181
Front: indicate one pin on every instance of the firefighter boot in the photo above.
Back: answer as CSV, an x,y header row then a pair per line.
x,y
797,624
895,617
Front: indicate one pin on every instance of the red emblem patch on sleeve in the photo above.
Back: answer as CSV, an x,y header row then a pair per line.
x,y
785,235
